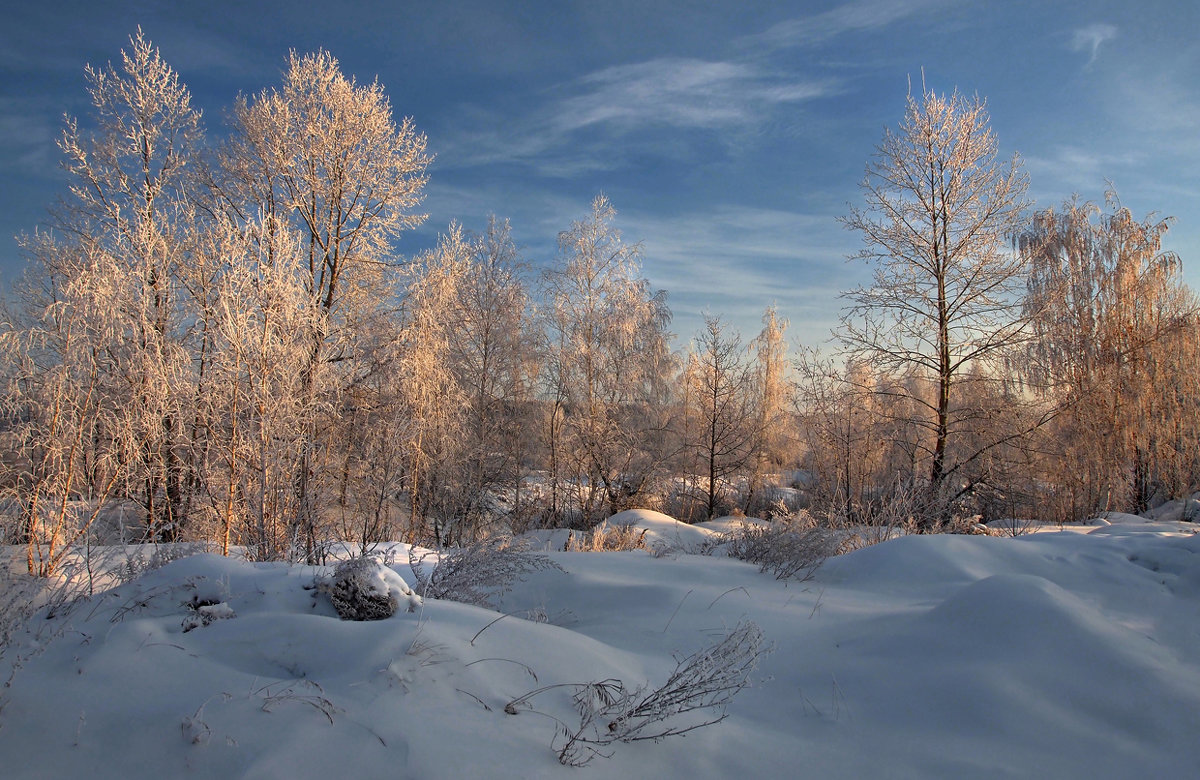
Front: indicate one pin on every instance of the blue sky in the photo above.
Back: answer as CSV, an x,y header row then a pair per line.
x,y
729,135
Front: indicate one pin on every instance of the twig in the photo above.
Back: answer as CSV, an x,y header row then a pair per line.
x,y
676,612
476,698
817,606
726,593
485,628
837,700
508,660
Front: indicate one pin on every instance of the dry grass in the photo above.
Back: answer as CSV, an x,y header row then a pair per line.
x,y
607,538
786,548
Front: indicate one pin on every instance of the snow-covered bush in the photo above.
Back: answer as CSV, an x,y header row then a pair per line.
x,y
695,695
783,548
479,572
206,614
607,538
138,560
207,603
364,589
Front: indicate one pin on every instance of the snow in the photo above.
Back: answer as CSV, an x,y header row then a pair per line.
x,y
662,532
1187,510
662,529
1056,654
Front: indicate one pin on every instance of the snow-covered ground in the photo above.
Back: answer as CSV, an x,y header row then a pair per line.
x,y
1048,655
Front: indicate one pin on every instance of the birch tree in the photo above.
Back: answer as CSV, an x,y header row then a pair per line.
x,y
128,208
72,444
607,365
773,392
434,401
494,357
721,404
939,207
253,402
324,155
1116,338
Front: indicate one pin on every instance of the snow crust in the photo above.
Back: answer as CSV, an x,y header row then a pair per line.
x,y
1057,654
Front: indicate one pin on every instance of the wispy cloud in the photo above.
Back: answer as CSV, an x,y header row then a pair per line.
x,y
668,92
862,16
1168,94
194,52
27,137
682,93
737,259
1067,170
1090,38
537,213
737,94
730,259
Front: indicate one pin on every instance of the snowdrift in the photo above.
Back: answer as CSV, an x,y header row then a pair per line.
x,y
1053,655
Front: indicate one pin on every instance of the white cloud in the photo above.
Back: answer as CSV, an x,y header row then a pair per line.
x,y
861,16
1091,38
680,92
684,93
735,260
28,135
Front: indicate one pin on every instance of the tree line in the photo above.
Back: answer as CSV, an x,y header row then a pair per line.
x,y
225,338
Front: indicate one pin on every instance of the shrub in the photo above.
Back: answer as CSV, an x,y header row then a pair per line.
x,y
607,538
783,547
479,572
695,695
364,589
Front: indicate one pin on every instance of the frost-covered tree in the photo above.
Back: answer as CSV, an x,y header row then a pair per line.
x,y
221,321
494,356
1116,340
253,405
71,440
773,397
324,155
940,205
723,420
606,366
435,401
126,217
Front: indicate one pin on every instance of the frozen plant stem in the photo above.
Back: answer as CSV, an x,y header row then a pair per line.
x,y
609,712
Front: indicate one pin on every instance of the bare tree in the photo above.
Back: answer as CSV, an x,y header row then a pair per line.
x,y
129,199
774,391
845,424
1116,341
607,363
723,418
324,155
940,205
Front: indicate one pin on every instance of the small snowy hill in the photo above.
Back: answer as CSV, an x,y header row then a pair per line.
x,y
1051,655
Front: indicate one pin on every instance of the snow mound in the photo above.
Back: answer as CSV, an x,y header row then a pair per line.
x,y
662,529
1123,518
659,532
1166,520
1180,510
1049,655
365,589
729,523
